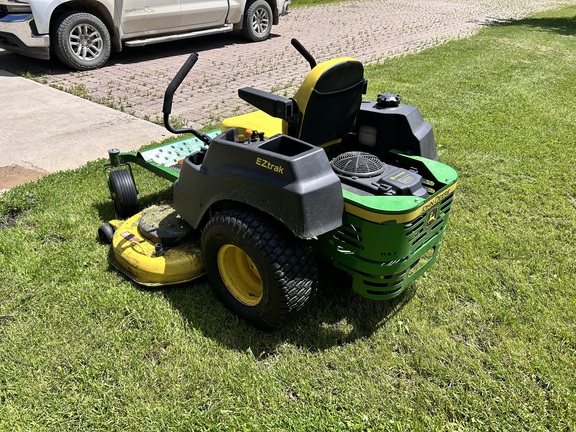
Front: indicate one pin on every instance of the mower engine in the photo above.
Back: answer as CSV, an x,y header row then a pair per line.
x,y
365,172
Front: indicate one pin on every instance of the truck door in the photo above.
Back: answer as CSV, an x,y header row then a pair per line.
x,y
203,13
146,16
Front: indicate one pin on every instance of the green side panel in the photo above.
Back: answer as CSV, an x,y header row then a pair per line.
x,y
384,258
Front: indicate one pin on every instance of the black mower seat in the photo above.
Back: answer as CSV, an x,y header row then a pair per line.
x,y
321,112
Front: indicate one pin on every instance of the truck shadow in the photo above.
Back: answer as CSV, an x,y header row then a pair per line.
x,y
35,68
135,55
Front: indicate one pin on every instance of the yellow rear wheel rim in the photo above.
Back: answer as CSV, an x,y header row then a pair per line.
x,y
240,275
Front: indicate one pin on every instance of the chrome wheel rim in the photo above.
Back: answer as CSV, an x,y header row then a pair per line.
x,y
260,21
86,42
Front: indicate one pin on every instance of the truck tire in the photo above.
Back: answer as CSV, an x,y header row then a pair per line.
x,y
123,193
257,23
260,272
81,41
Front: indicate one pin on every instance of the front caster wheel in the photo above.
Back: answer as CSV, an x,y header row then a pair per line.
x,y
260,271
123,192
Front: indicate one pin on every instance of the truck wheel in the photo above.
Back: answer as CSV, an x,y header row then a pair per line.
x,y
81,41
257,21
123,193
259,272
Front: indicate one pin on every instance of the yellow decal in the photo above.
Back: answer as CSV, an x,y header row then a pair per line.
x,y
437,199
432,216
402,177
269,165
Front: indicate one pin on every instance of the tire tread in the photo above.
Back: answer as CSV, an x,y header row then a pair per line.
x,y
292,262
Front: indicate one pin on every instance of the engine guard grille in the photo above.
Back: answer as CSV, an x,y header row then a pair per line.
x,y
384,259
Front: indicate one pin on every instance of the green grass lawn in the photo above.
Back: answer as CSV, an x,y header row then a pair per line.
x,y
485,341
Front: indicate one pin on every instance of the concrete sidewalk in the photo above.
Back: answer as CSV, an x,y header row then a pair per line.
x,y
45,130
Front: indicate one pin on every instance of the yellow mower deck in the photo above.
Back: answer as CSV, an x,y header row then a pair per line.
x,y
142,260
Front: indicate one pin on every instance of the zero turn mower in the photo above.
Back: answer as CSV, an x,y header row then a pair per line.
x,y
320,175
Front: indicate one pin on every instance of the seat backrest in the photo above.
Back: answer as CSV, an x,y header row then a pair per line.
x,y
329,100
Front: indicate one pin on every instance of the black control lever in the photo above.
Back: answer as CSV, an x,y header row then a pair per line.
x,y
169,95
300,48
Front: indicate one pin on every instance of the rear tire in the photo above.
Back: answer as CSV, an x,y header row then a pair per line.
x,y
258,270
123,193
257,23
81,41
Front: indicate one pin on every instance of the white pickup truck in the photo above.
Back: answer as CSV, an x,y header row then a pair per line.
x,y
82,33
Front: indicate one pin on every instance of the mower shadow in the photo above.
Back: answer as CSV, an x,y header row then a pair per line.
x,y
336,317
106,210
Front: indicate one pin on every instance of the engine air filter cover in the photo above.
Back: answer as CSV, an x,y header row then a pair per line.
x,y
357,164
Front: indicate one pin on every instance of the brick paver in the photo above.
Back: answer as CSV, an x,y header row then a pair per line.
x,y
372,31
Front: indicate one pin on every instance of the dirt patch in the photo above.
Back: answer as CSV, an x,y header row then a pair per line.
x,y
15,175
10,220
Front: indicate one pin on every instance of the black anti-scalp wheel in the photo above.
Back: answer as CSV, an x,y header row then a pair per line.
x,y
106,233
